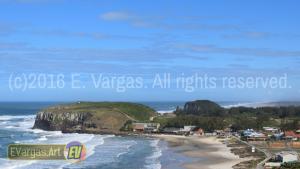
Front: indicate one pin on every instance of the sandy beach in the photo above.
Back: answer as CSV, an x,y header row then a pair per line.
x,y
209,152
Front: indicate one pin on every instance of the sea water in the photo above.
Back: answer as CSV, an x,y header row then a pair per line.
x,y
103,151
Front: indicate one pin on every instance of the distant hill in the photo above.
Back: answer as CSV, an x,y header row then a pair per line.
x,y
201,107
92,117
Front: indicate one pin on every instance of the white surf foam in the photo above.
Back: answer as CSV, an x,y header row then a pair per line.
x,y
250,104
43,138
9,117
14,164
153,162
17,122
56,137
128,144
165,111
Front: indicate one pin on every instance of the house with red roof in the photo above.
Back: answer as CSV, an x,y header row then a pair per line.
x,y
291,135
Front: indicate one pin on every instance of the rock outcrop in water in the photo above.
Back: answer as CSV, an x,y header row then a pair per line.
x,y
91,117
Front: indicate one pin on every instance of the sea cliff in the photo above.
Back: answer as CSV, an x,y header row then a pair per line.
x,y
92,117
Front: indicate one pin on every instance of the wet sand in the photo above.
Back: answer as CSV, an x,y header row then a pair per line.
x,y
209,152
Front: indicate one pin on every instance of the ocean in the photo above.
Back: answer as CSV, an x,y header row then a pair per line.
x,y
103,151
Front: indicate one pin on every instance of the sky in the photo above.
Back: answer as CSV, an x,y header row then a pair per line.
x,y
42,40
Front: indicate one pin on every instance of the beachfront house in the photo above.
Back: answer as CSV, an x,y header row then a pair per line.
x,y
287,156
187,128
171,130
280,158
198,132
210,134
145,127
271,129
224,133
277,136
291,135
252,135
273,133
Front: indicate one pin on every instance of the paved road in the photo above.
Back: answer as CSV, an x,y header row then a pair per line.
x,y
267,154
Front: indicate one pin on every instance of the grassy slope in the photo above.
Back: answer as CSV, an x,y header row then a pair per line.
x,y
131,110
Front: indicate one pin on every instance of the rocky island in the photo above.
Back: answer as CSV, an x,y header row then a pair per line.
x,y
92,117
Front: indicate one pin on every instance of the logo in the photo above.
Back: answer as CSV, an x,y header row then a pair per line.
x,y
75,151
36,151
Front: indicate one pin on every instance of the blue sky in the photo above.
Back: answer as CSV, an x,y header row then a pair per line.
x,y
141,38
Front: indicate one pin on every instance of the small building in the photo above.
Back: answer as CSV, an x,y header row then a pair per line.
x,y
138,127
187,128
271,129
151,118
271,132
291,135
145,127
171,130
247,132
287,156
277,136
198,132
251,135
210,134
280,158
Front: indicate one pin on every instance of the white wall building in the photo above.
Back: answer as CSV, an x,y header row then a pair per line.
x,y
287,156
187,128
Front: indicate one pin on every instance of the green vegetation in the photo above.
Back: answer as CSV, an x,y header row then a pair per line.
x,y
211,116
286,118
207,123
93,117
201,107
135,111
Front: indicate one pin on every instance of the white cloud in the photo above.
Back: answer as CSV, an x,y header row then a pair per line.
x,y
116,16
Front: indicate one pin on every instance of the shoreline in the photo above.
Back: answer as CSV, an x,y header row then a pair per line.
x,y
205,152
208,152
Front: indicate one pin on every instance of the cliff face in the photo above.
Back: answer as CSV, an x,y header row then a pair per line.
x,y
91,117
62,120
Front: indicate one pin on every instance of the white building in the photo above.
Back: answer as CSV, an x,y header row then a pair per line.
x,y
145,127
187,128
280,158
287,156
270,129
